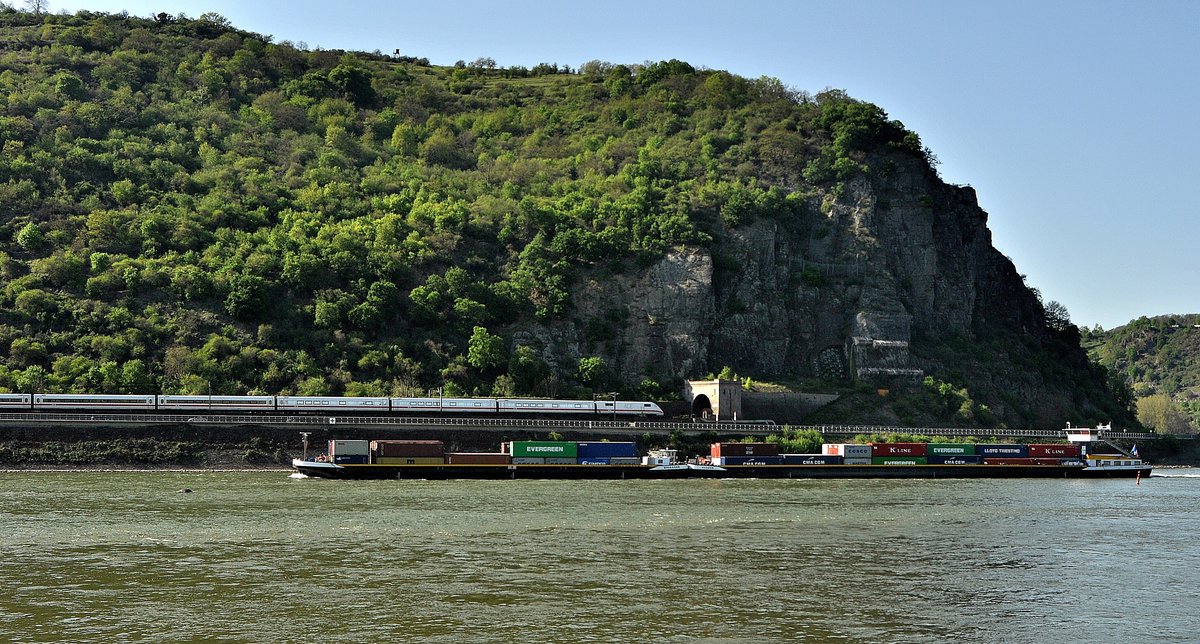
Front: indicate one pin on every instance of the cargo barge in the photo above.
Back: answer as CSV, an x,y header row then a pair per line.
x,y
1086,456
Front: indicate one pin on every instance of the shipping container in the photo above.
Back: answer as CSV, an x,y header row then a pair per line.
x,y
1054,450
1022,461
1002,451
811,459
543,449
349,448
409,460
605,449
950,449
625,460
898,449
595,460
847,450
350,459
477,458
748,460
898,460
556,460
408,448
965,459
744,449
526,460
856,460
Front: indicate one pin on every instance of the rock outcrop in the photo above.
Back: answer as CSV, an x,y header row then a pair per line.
x,y
868,287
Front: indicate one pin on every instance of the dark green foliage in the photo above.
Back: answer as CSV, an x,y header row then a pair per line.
x,y
187,207
1152,357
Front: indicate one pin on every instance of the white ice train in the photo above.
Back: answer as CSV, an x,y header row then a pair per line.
x,y
329,405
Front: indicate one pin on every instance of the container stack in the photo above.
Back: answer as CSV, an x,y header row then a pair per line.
x,y
477,458
745,454
543,452
606,453
392,452
952,454
899,453
349,452
851,453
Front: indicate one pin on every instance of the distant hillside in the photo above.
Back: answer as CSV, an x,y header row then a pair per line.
x,y
1160,359
188,207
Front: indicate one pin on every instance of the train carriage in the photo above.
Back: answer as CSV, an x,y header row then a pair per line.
x,y
331,404
16,401
443,405
115,402
216,403
548,407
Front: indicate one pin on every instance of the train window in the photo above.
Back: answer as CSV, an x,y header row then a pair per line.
x,y
341,402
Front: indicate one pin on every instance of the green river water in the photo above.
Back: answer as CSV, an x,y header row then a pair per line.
x,y
265,557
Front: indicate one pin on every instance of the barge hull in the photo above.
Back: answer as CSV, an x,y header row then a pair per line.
x,y
568,472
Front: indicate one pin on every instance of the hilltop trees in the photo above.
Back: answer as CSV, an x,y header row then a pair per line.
x,y
187,206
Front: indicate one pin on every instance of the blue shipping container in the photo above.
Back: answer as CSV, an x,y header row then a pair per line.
x,y
811,459
1002,451
605,450
350,460
956,459
600,460
752,460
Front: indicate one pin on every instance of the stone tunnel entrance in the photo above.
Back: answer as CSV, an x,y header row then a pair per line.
x,y
701,407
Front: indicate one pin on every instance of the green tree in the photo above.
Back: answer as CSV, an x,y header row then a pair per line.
x,y
592,371
485,350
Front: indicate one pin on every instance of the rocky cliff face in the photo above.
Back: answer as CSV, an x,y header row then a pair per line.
x,y
870,287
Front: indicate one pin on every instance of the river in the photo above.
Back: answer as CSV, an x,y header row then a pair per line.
x,y
265,557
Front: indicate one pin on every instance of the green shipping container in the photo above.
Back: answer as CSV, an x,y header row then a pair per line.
x,y
544,449
951,449
899,460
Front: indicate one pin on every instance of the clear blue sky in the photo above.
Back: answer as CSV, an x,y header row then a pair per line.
x,y
1076,122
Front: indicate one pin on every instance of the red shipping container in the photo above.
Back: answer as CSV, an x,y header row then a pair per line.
x,y
1022,461
1054,450
745,449
899,449
408,448
477,458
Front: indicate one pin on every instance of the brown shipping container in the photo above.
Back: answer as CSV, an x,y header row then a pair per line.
x,y
745,449
898,449
408,448
477,458
409,460
1053,450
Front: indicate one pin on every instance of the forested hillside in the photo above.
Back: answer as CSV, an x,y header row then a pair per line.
x,y
189,208
1160,359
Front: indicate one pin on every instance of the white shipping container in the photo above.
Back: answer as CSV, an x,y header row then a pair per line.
x,y
848,450
349,448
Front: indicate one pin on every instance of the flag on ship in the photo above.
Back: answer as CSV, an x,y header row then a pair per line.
x,y
1134,450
